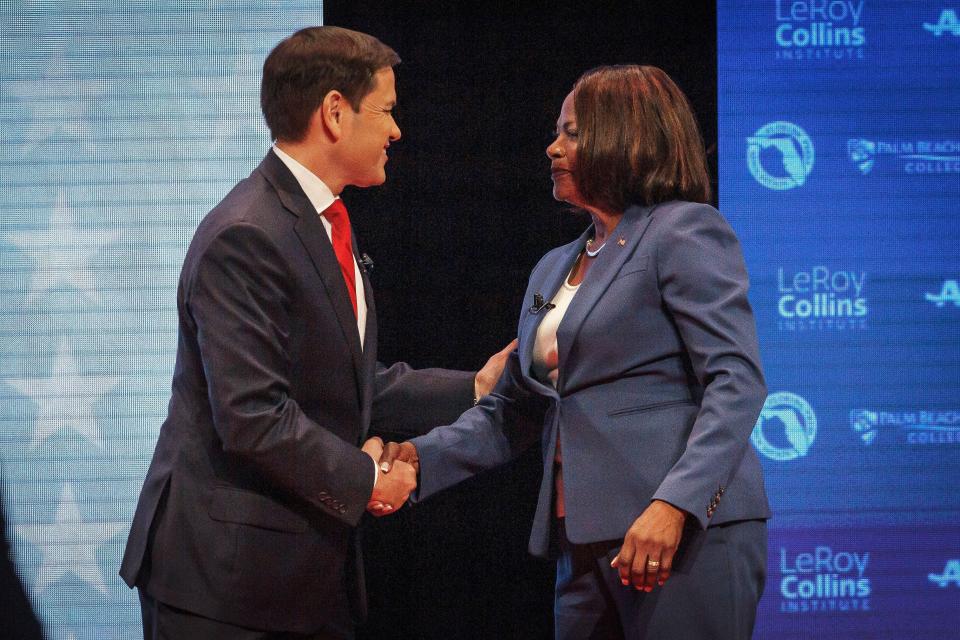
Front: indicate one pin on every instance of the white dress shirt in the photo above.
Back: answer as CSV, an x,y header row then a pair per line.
x,y
321,197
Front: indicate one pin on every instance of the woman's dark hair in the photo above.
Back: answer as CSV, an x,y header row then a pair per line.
x,y
638,141
306,66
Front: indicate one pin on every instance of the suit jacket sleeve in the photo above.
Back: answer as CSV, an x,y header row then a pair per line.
x,y
239,298
704,285
503,425
19,620
410,402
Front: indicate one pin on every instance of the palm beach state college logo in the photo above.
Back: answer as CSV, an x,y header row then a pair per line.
x,y
780,155
786,427
913,427
911,157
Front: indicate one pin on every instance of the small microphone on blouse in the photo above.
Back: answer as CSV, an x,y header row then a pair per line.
x,y
539,304
366,262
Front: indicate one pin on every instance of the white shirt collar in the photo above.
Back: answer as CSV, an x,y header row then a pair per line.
x,y
317,192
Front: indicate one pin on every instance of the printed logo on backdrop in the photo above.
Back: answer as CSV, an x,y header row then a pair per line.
x,y
910,157
824,579
819,298
819,30
786,428
780,155
948,23
949,294
950,575
914,427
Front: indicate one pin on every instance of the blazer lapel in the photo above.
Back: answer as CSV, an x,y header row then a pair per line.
x,y
317,244
548,288
369,344
620,246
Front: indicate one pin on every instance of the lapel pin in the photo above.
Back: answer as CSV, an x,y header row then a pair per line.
x,y
621,241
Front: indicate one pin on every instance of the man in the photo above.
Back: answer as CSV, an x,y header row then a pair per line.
x,y
18,618
245,525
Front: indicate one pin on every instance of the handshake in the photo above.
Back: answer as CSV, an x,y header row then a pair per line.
x,y
398,463
398,466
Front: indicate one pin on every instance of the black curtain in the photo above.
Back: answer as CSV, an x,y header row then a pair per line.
x,y
464,216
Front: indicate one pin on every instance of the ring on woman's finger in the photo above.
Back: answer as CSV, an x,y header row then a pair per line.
x,y
653,563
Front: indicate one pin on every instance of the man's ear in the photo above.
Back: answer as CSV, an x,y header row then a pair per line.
x,y
331,113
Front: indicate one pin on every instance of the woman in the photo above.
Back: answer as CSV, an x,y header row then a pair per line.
x,y
637,367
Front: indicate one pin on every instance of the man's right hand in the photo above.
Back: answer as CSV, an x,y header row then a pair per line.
x,y
392,489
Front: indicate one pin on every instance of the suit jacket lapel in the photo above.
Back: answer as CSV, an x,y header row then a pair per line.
x,y
317,244
548,288
369,345
620,246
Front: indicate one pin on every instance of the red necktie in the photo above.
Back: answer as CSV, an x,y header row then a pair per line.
x,y
336,214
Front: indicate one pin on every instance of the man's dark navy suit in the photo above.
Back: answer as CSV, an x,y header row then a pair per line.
x,y
249,508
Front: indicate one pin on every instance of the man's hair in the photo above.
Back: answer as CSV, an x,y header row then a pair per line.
x,y
309,64
638,141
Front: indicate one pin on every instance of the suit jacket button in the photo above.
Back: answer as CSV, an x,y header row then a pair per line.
x,y
343,509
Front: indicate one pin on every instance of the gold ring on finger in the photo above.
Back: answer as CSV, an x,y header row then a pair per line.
x,y
653,563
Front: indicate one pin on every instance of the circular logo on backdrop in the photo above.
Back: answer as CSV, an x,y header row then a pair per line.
x,y
780,155
786,427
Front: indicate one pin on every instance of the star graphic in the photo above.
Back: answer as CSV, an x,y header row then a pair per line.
x,y
69,545
63,252
65,399
57,104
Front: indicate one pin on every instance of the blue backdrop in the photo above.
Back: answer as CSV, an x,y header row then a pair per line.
x,y
839,127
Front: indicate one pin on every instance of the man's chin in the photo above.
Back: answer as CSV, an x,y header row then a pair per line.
x,y
371,181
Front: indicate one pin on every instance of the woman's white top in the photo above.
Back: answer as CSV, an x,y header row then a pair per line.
x,y
545,365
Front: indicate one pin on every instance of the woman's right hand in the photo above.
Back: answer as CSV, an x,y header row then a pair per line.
x,y
646,557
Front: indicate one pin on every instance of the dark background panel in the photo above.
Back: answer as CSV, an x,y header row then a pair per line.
x,y
465,215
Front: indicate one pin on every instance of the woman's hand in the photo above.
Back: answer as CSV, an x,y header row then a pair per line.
x,y
648,548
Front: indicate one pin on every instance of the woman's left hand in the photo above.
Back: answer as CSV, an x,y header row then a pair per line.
x,y
646,557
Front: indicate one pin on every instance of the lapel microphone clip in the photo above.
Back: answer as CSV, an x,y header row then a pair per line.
x,y
539,304
366,263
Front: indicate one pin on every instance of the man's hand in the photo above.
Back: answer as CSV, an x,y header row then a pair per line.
x,y
373,448
393,489
395,453
487,377
646,557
